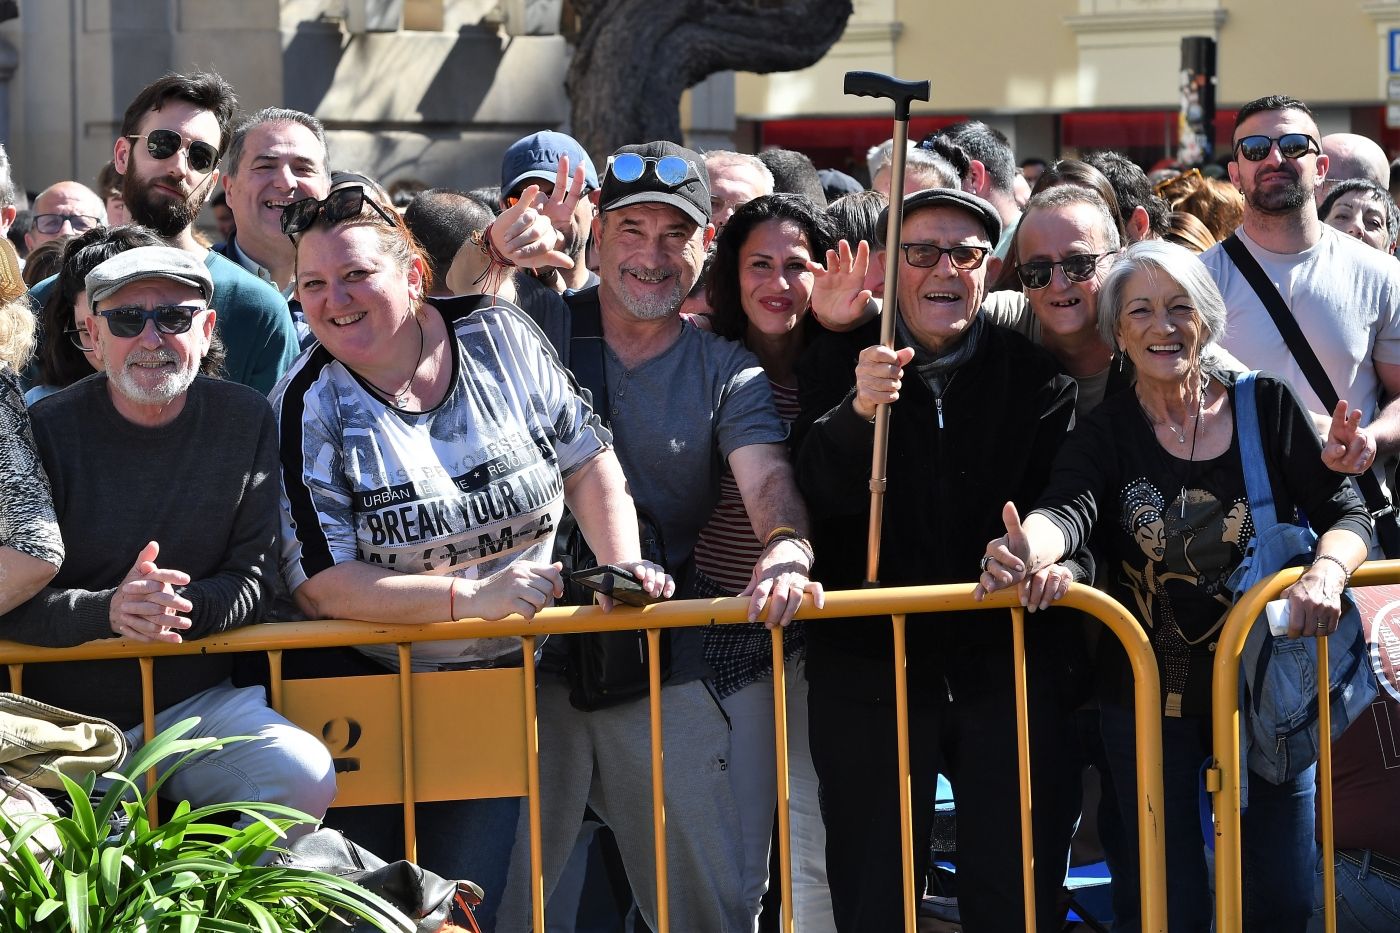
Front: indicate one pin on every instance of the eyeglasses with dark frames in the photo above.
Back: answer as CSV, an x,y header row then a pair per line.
x,y
75,337
964,257
162,144
52,224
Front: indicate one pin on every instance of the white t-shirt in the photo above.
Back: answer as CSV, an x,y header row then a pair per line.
x,y
465,489
1344,295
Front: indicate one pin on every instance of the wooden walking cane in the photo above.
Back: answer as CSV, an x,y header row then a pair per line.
x,y
870,84
873,84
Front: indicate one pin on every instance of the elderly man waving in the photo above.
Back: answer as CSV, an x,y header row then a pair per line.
x,y
978,415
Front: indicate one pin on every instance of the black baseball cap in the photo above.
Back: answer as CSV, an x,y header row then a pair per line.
x,y
691,196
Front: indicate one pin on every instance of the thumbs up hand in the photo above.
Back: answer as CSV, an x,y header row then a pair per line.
x,y
1004,563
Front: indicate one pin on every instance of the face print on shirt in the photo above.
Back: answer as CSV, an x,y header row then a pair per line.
x,y
1186,549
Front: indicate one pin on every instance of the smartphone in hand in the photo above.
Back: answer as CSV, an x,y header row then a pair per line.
x,y
614,581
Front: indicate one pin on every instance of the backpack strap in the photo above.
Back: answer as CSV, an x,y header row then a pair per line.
x,y
586,349
1256,474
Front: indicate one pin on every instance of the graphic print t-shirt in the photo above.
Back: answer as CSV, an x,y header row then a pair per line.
x,y
464,489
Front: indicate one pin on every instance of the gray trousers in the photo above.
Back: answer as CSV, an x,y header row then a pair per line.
x,y
602,760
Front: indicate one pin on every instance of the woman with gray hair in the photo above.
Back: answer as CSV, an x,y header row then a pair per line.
x,y
1158,470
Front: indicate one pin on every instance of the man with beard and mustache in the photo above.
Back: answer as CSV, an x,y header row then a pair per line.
x,y
172,137
534,160
680,402
1344,295
165,487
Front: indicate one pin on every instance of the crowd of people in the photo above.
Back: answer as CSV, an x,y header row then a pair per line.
x,y
422,408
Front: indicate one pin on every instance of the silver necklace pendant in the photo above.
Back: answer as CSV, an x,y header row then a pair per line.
x,y
400,402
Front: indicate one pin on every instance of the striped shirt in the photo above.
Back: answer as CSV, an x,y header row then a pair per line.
x,y
725,554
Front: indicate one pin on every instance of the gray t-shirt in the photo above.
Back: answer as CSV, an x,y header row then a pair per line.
x,y
675,419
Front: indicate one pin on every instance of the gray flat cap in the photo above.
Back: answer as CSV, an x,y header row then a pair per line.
x,y
148,262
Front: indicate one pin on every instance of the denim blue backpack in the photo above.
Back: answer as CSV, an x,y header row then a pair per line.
x,y
1278,683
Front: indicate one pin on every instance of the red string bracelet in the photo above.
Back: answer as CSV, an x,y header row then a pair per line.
x,y
452,600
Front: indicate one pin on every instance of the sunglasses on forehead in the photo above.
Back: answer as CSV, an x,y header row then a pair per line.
x,y
341,204
669,170
1290,146
130,320
162,144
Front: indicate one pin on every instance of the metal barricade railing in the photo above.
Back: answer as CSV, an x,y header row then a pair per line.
x,y
1223,778
895,602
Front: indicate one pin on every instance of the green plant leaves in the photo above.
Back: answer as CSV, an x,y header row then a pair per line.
x,y
191,874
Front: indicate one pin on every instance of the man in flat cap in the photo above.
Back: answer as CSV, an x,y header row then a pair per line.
x,y
978,415
164,483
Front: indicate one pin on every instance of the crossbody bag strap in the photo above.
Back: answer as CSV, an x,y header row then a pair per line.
x,y
1256,474
586,353
1376,502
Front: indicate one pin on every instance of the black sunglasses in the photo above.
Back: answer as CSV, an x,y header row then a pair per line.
x,y
927,255
1290,146
341,204
670,170
130,320
50,224
162,144
1077,268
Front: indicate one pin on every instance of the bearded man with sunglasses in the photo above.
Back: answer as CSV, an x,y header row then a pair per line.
x,y
1343,295
165,487
173,136
979,414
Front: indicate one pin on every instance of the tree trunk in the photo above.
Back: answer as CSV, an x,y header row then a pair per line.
x,y
634,58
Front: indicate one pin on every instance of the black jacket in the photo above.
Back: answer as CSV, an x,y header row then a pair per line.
x,y
1004,415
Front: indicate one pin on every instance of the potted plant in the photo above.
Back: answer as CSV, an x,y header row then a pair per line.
x,y
116,873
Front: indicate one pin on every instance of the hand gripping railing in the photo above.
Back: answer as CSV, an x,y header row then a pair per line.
x,y
894,602
1223,778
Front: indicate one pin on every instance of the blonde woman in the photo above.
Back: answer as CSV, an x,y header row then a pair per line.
x,y
30,546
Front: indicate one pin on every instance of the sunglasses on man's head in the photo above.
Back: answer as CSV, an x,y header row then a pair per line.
x,y
927,255
162,144
1077,268
341,204
130,320
670,170
50,224
1290,146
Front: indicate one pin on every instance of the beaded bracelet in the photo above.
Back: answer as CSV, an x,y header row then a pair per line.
x,y
1346,574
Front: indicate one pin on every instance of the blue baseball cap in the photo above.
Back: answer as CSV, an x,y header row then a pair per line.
x,y
537,156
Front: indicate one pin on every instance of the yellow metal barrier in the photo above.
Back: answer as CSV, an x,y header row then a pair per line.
x,y
397,705
1223,779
